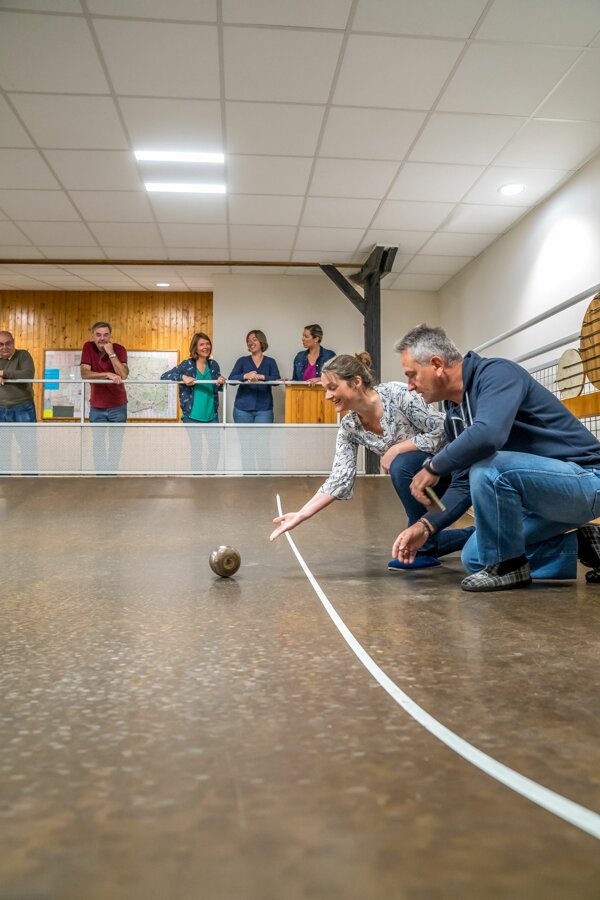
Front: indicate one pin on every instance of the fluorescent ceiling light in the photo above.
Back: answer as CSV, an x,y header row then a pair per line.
x,y
175,187
179,156
163,284
509,190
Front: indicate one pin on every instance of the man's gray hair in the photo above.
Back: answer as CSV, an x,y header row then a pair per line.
x,y
425,342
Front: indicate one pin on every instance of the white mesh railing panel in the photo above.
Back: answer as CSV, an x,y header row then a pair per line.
x,y
33,448
176,449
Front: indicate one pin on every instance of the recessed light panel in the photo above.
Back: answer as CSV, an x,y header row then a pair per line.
x,y
173,187
179,156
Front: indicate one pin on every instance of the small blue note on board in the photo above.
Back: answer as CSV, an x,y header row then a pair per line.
x,y
51,373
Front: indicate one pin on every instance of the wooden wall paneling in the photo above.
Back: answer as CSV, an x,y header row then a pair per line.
x,y
54,320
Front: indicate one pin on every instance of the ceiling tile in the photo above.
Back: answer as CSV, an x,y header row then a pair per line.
x,y
272,128
352,178
406,282
161,59
430,181
537,183
245,209
72,252
370,133
63,51
64,6
435,18
471,139
204,236
194,253
338,212
258,270
437,265
411,215
113,206
245,255
318,239
481,219
408,242
268,174
505,79
308,14
271,64
394,72
158,124
542,22
25,169
551,145
49,206
71,122
21,282
51,234
577,96
190,10
127,235
259,236
95,169
12,133
113,252
201,209
401,260
10,234
457,244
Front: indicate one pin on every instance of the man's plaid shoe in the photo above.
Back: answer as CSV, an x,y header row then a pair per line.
x,y
588,551
588,545
489,580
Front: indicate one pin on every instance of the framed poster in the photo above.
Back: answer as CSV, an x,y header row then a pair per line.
x,y
144,401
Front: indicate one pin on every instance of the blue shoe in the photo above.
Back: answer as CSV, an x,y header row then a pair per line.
x,y
419,562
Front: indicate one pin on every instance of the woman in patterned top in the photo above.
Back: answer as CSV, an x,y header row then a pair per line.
x,y
396,424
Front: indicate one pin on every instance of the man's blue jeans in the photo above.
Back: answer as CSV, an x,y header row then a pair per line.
x,y
25,437
524,504
108,442
402,471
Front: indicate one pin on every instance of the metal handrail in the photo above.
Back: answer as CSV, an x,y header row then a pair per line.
x,y
98,382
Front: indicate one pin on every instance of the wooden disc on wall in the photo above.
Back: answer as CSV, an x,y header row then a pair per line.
x,y
589,341
570,376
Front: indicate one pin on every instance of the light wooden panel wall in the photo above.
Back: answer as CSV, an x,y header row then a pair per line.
x,y
55,320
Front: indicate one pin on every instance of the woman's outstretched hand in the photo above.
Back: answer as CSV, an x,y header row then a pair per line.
x,y
286,522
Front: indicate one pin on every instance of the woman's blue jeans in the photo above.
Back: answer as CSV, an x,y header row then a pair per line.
x,y
524,504
402,471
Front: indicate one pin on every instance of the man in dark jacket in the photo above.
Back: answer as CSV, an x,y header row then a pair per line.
x,y
531,468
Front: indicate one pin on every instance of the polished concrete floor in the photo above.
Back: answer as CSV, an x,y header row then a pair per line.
x,y
168,735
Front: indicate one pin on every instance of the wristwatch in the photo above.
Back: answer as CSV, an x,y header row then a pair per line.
x,y
112,355
428,467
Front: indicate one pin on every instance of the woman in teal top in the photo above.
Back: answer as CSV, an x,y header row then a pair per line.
x,y
199,400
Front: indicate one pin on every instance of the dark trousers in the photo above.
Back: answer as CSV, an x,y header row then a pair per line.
x,y
402,472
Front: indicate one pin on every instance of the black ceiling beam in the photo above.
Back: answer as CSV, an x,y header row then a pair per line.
x,y
345,287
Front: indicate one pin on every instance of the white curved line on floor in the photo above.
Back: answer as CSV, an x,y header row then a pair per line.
x,y
571,812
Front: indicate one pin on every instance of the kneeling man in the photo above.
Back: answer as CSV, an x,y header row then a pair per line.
x,y
532,467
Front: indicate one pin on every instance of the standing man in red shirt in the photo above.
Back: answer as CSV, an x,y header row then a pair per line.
x,y
105,361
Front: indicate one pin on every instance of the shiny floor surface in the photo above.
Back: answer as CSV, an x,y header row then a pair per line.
x,y
169,735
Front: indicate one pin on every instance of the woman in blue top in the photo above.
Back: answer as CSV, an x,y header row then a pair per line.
x,y
309,362
199,400
254,401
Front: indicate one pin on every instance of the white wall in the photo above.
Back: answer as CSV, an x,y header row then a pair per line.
x,y
282,305
549,256
401,311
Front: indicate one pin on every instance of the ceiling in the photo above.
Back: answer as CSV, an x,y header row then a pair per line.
x,y
344,123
